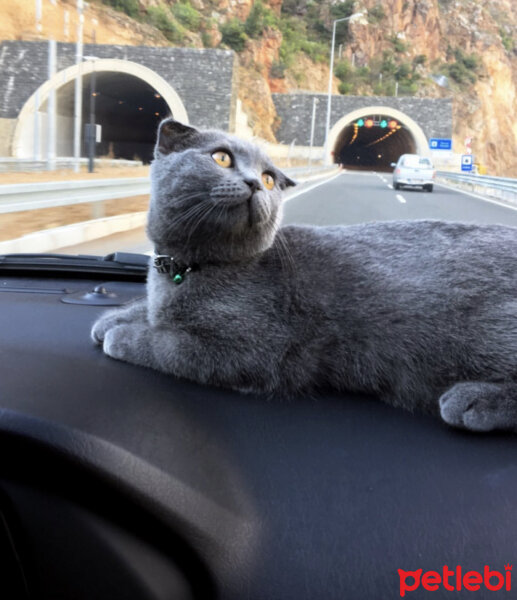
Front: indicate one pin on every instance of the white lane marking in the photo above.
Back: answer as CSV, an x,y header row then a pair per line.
x,y
290,197
401,199
390,186
455,189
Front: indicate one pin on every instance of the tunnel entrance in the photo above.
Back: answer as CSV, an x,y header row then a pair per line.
x,y
372,142
127,108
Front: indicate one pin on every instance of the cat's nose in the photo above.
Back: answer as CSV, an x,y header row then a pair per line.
x,y
254,184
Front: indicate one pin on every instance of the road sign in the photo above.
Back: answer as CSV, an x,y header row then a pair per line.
x,y
440,144
466,162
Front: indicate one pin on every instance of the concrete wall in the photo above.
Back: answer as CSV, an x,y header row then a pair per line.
x,y
205,80
6,133
433,115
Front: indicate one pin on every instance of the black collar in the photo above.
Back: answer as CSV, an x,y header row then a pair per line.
x,y
176,270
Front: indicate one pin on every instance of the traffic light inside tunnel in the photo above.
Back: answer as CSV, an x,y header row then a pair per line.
x,y
372,143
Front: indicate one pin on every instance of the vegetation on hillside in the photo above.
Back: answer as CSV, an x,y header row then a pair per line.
x,y
306,28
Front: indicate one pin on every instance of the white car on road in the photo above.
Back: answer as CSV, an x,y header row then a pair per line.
x,y
413,170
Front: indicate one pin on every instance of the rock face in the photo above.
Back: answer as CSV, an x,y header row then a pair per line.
x,y
262,52
415,22
257,103
102,25
483,111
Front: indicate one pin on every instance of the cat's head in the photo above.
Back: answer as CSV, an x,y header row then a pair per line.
x,y
214,197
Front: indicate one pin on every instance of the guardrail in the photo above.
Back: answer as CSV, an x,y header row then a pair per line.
x,y
504,188
312,170
15,165
30,196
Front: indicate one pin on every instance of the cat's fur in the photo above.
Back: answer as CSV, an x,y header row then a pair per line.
x,y
421,313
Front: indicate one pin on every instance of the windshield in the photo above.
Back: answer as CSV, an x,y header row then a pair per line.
x,y
416,161
324,88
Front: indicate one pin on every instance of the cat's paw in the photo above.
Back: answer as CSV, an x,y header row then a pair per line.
x,y
474,406
103,325
117,342
130,342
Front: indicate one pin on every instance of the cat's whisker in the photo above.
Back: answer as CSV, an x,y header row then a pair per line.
x,y
186,216
284,253
207,210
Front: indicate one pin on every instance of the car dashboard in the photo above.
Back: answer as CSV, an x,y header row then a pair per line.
x,y
120,482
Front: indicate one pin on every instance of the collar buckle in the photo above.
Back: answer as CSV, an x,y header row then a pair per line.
x,y
163,263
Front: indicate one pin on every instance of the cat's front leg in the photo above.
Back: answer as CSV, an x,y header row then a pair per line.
x,y
135,311
480,406
131,342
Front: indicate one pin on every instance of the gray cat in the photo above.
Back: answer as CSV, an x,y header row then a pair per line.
x,y
423,314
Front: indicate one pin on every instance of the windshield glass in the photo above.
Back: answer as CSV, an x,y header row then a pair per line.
x,y
416,161
322,87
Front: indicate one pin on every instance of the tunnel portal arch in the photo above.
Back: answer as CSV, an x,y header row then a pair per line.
x,y
120,85
375,147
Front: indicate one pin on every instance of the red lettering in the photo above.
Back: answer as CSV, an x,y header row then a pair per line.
x,y
471,581
446,574
403,575
508,569
431,580
488,575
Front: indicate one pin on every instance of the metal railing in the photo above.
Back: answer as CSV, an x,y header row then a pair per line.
x,y
309,170
16,165
504,188
30,196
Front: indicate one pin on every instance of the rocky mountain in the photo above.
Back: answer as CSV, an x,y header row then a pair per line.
x,y
473,43
465,49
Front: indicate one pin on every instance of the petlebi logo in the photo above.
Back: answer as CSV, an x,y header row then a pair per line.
x,y
456,580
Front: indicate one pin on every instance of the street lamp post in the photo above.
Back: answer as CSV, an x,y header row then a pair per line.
x,y
78,100
315,102
91,129
51,107
351,18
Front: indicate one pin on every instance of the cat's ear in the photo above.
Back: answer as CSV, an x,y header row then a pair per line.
x,y
174,136
284,181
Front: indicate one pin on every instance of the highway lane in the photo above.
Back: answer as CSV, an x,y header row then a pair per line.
x,y
345,199
359,197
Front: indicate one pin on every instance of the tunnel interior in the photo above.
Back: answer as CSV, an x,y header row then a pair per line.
x,y
372,142
127,108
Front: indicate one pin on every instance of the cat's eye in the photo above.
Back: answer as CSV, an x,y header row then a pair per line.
x,y
268,180
222,158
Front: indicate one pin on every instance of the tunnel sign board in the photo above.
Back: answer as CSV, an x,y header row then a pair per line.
x,y
466,162
440,144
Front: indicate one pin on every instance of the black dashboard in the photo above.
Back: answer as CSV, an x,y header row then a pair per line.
x,y
120,482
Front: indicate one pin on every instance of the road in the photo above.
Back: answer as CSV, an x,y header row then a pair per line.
x,y
347,198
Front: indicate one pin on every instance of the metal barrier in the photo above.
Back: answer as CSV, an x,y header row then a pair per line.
x,y
16,165
309,171
29,196
504,188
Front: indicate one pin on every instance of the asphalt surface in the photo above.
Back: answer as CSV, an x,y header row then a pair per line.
x,y
348,198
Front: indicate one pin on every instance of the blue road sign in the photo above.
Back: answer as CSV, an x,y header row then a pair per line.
x,y
440,144
466,162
